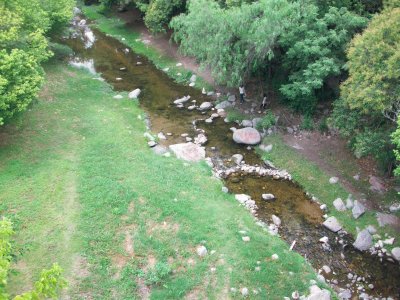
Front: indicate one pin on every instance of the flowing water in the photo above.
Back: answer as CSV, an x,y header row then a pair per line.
x,y
301,217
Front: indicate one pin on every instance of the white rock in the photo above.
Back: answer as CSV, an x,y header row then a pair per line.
x,y
193,78
389,241
244,291
134,94
201,251
205,106
188,151
323,207
394,207
339,205
246,238
349,203
200,139
326,269
266,148
332,224
324,239
268,197
182,100
242,198
237,158
151,144
248,136
247,123
396,253
225,189
274,257
276,220
333,180
192,84
179,64
161,136
371,229
118,97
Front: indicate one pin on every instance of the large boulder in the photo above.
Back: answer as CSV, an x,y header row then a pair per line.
x,y
363,241
188,151
332,224
396,253
134,94
247,136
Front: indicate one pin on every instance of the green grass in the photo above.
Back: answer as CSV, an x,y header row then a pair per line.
x,y
84,190
316,182
117,28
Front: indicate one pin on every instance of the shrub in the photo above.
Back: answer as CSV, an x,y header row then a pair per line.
x,y
267,121
235,116
307,123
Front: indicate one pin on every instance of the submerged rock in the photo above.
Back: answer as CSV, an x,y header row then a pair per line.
x,y
188,151
268,197
332,224
363,241
247,136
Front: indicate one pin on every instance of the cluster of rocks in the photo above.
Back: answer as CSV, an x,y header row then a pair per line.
x,y
357,208
316,293
247,202
254,170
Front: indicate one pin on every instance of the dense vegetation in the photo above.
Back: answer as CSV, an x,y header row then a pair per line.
x,y
24,26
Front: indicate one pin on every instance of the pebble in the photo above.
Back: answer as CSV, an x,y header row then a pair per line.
x,y
275,256
244,291
201,251
246,238
324,239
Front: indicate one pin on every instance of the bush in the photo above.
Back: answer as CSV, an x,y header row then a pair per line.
x,y
307,123
158,273
323,125
267,121
235,116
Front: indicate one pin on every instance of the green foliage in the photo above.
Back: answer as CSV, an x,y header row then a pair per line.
x,y
267,121
156,275
314,51
234,115
374,64
396,141
23,26
370,102
323,125
159,13
361,7
307,123
234,42
48,286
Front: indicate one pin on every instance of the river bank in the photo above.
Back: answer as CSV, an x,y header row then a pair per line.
x,y
157,102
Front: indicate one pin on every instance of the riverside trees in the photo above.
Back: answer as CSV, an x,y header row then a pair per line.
x,y
24,46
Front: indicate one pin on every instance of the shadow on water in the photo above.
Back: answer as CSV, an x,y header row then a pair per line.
x,y
301,218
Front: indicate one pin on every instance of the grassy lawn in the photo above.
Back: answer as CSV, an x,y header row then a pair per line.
x,y
316,182
84,190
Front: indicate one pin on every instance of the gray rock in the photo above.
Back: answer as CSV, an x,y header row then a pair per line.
x,y
161,136
345,294
371,229
333,180
237,158
248,136
242,198
232,98
224,105
387,219
363,241
188,151
332,224
268,197
247,123
349,203
396,253
205,106
339,205
377,184
289,130
193,78
200,139
317,294
358,209
159,150
118,97
225,189
244,291
134,94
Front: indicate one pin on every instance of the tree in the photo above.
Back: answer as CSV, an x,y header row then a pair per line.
x,y
315,51
24,46
396,141
369,105
235,42
50,282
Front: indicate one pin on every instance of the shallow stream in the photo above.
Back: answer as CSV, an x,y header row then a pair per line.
x,y
301,217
